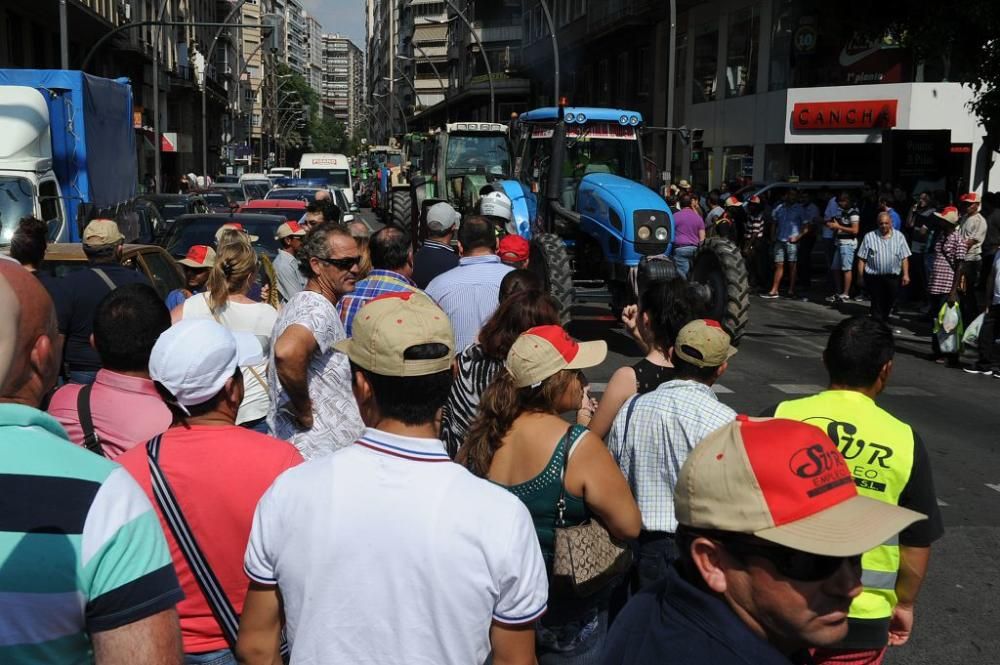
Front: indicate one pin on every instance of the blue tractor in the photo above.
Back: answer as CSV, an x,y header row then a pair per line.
x,y
578,196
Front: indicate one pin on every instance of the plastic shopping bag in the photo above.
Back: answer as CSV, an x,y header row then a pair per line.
x,y
948,328
951,317
971,336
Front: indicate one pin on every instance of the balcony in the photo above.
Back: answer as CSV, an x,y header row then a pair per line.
x,y
498,33
603,15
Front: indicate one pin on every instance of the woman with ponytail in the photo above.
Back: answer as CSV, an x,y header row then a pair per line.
x,y
226,301
519,442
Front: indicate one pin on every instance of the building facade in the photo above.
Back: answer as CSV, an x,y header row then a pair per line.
x,y
343,80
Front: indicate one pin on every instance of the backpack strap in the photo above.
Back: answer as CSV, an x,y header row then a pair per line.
x,y
91,440
104,278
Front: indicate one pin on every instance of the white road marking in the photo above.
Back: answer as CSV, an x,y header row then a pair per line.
x,y
798,388
720,389
908,391
995,488
941,503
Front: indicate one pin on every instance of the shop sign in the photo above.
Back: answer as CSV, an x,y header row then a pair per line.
x,y
866,114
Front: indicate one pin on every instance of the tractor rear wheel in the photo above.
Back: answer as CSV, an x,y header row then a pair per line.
x,y
549,260
720,266
400,207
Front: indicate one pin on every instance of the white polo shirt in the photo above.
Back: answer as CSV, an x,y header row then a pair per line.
x,y
388,552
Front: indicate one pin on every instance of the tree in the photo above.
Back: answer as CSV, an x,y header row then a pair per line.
x,y
328,134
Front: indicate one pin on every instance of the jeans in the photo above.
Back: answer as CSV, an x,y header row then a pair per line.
x,y
82,377
220,657
883,290
578,642
259,425
683,256
654,556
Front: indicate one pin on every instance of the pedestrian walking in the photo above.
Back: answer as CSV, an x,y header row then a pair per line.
x,y
121,409
896,470
991,210
812,220
286,267
205,475
385,551
754,245
948,251
227,302
654,433
75,526
789,221
309,381
514,251
436,255
987,362
845,230
78,297
770,532
562,474
973,228
689,233
479,364
196,264
469,293
392,272
884,266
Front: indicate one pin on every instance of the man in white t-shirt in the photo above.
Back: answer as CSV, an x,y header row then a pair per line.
x,y
386,551
309,381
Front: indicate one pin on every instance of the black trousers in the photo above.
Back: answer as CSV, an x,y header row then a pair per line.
x,y
987,339
883,289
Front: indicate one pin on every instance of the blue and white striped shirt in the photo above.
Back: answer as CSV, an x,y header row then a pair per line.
x,y
469,294
665,426
883,256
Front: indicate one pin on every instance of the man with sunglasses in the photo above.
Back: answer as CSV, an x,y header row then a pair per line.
x,y
771,530
309,381
889,463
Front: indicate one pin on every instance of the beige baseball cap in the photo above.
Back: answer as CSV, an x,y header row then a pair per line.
x,y
101,232
387,326
542,351
783,481
199,256
703,343
235,226
289,229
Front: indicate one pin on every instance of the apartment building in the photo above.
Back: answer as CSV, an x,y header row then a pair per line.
x,y
343,80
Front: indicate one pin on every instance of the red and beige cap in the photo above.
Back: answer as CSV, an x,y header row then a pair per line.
x,y
513,249
703,343
948,214
783,481
199,256
387,326
543,351
235,226
971,197
733,202
102,232
289,229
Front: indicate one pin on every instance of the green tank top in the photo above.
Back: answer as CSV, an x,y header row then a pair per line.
x,y
541,494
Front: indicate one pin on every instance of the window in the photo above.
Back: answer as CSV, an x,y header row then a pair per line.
x,y
603,82
48,198
581,8
621,82
644,70
741,52
704,80
680,55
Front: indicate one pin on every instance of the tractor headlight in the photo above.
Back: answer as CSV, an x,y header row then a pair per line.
x,y
581,118
662,234
570,117
644,232
623,120
634,120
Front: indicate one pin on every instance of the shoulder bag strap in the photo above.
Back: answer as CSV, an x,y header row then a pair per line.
x,y
567,450
104,278
91,440
256,374
209,584
628,418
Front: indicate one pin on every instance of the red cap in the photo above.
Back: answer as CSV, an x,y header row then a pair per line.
x,y
971,197
513,249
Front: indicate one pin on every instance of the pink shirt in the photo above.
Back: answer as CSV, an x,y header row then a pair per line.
x,y
126,411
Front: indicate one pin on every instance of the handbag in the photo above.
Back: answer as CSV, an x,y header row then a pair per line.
x,y
586,557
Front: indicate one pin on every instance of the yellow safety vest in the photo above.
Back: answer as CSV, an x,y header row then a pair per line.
x,y
878,449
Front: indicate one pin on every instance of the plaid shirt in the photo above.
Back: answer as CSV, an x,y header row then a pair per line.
x,y
377,283
949,252
665,426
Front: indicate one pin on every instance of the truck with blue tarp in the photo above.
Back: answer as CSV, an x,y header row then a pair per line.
x,y
67,149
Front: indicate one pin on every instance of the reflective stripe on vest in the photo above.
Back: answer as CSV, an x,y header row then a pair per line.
x,y
878,450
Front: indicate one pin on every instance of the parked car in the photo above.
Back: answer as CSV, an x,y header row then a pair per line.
x,y
219,199
227,179
290,210
163,272
255,189
306,194
347,209
172,206
191,230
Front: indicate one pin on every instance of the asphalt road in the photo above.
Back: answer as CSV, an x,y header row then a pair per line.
x,y
956,414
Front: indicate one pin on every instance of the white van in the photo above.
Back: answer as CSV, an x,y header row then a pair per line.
x,y
334,169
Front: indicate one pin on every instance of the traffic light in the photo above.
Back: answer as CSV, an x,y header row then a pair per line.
x,y
697,144
270,29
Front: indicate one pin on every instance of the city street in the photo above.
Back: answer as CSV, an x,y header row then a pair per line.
x,y
956,415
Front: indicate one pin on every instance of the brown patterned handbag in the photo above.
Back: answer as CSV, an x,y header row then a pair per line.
x,y
586,557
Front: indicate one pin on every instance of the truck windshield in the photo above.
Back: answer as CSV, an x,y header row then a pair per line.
x,y
395,160
333,177
16,201
486,153
598,150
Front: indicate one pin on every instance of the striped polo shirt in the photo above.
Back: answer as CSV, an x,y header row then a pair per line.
x,y
81,550
884,256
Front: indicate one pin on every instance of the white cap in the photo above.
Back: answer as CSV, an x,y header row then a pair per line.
x,y
441,217
496,204
194,359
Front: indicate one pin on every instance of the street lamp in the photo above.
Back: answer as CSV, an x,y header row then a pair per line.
x,y
479,43
406,128
441,84
204,84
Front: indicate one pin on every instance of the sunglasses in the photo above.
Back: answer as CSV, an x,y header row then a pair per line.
x,y
790,563
345,263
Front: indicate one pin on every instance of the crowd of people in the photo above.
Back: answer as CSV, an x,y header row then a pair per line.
x,y
402,462
876,243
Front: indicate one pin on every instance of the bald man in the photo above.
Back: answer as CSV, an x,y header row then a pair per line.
x,y
77,525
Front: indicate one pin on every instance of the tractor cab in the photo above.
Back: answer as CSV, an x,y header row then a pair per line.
x,y
465,157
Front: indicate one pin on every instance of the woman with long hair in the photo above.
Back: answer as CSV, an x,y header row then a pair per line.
x,y
520,442
226,301
480,362
664,308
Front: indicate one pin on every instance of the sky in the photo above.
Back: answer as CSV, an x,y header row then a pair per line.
x,y
344,16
